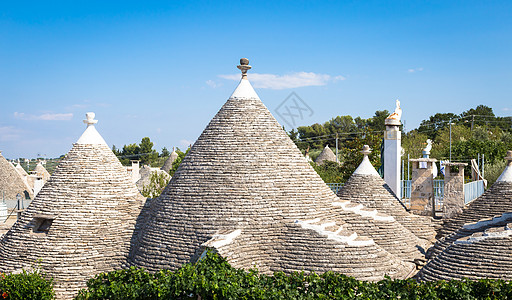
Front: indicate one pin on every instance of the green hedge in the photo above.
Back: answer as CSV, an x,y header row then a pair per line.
x,y
214,278
26,286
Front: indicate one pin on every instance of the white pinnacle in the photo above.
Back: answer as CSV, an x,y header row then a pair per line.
x,y
244,89
507,173
91,135
366,168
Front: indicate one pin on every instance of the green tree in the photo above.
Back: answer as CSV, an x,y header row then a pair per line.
x,y
435,123
413,143
147,153
376,123
157,183
330,172
165,152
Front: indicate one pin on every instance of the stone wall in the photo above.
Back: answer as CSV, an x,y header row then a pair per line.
x,y
453,199
422,187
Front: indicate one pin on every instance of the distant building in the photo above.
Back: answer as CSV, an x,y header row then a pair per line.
x,y
11,182
325,155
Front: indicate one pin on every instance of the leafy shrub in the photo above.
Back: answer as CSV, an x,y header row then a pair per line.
x,y
26,286
493,171
213,278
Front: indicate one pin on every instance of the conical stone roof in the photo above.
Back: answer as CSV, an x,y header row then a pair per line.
x,y
325,155
20,170
495,201
11,182
480,250
273,212
366,187
81,222
42,172
169,161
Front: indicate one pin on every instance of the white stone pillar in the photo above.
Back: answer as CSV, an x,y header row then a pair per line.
x,y
392,155
38,185
135,170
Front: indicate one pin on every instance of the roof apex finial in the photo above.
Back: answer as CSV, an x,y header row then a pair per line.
x,y
90,119
366,150
244,67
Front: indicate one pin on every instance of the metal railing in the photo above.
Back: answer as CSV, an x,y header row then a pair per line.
x,y
473,190
335,187
405,193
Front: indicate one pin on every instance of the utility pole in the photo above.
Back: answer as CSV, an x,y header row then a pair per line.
x,y
450,139
337,147
472,122
483,165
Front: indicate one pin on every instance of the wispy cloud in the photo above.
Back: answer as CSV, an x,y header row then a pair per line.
x,y
186,143
9,133
414,70
213,84
44,117
288,81
86,104
506,109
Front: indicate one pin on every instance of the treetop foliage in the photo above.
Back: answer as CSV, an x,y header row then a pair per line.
x,y
143,151
475,131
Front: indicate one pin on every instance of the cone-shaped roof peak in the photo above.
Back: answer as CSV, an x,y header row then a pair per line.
x,y
507,173
366,168
91,135
244,90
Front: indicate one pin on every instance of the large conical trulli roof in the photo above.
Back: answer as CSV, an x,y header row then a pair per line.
x,y
272,211
366,186
325,155
11,182
82,220
480,250
495,201
168,162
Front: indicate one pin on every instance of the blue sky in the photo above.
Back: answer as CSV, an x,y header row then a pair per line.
x,y
163,69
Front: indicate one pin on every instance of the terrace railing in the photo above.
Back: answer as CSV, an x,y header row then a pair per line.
x,y
335,187
473,190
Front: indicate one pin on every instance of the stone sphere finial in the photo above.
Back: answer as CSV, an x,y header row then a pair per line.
x,y
366,150
244,67
89,119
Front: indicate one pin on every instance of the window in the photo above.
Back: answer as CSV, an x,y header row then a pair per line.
x,y
42,223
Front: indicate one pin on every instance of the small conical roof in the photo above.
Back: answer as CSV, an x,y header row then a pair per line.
x,y
81,222
169,161
480,250
495,201
11,182
274,212
41,172
366,187
325,155
20,170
